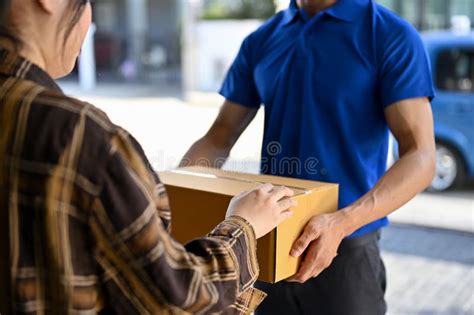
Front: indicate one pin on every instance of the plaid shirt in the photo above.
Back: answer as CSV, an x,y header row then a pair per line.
x,y
85,220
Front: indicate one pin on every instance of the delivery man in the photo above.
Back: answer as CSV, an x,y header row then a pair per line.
x,y
334,78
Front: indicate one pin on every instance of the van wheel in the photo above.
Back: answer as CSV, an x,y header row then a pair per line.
x,y
450,171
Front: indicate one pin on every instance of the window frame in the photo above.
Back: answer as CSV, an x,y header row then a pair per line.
x,y
436,62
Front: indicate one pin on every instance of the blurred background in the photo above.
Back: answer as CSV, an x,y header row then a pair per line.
x,y
193,41
155,68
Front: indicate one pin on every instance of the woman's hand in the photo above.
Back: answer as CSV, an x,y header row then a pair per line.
x,y
264,207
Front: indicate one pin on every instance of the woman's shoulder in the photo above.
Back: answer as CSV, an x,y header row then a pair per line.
x,y
65,121
73,108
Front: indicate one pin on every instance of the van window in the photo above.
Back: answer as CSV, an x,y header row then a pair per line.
x,y
455,70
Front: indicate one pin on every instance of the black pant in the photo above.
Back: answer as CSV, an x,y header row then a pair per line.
x,y
354,284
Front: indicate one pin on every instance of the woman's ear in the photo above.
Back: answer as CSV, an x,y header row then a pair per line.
x,y
46,5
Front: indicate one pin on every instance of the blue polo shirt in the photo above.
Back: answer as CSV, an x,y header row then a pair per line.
x,y
325,82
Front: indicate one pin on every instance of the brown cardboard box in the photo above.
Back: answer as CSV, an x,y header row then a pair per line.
x,y
199,198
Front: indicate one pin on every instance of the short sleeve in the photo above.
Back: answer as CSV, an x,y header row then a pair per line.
x,y
239,85
404,68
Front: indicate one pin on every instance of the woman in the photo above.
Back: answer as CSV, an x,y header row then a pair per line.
x,y
85,219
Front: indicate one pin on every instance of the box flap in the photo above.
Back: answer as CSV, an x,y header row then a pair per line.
x,y
231,183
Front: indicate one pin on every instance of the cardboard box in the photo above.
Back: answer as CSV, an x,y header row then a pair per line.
x,y
199,198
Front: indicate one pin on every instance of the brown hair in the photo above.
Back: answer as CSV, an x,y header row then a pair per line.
x,y
7,31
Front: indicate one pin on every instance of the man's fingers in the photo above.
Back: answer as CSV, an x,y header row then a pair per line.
x,y
308,265
316,272
322,262
301,244
305,271
309,235
318,266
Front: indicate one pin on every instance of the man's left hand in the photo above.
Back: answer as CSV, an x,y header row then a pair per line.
x,y
320,239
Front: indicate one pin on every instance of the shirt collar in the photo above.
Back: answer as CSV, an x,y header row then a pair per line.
x,y
290,14
345,10
13,65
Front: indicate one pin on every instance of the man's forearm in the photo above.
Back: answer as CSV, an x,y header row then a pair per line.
x,y
205,153
406,178
213,149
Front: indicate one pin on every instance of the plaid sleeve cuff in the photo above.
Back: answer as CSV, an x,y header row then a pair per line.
x,y
246,303
243,249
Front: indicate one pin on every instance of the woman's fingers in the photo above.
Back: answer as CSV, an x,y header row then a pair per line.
x,y
287,203
281,192
285,215
265,188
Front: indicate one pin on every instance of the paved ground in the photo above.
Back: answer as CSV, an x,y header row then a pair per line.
x,y
430,270
449,210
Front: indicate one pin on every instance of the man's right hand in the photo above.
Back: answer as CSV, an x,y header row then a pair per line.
x,y
264,207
